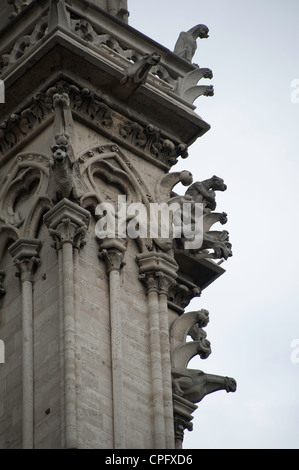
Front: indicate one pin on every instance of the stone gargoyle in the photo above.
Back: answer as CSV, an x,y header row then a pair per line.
x,y
192,384
65,180
186,45
204,192
191,324
138,71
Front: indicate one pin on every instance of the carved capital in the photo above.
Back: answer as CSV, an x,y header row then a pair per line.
x,y
67,223
113,259
158,271
183,410
25,256
68,232
112,251
150,281
165,282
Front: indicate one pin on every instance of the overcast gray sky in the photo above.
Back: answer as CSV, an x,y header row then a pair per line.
x,y
253,145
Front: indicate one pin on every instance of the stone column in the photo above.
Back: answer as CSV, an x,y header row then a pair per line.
x,y
152,287
68,223
112,251
25,256
166,281
158,272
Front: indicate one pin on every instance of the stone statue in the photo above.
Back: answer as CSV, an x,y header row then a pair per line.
x,y
118,8
186,46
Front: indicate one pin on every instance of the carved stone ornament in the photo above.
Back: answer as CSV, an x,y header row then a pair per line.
x,y
18,5
112,252
118,8
67,223
203,192
25,256
141,137
186,46
193,385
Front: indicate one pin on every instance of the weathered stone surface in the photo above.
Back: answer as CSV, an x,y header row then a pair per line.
x,y
94,112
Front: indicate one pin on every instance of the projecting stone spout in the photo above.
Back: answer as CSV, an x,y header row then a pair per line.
x,y
194,385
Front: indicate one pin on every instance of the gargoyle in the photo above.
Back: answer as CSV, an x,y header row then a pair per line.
x,y
194,385
186,46
65,180
191,384
137,72
118,8
135,75
190,323
203,192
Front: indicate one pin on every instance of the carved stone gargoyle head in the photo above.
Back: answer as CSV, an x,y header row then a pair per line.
x,y
201,31
61,147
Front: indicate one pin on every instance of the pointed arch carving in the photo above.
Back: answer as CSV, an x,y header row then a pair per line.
x,y
23,197
112,165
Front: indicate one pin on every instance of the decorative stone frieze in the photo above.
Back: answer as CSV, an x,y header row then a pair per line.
x,y
144,138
